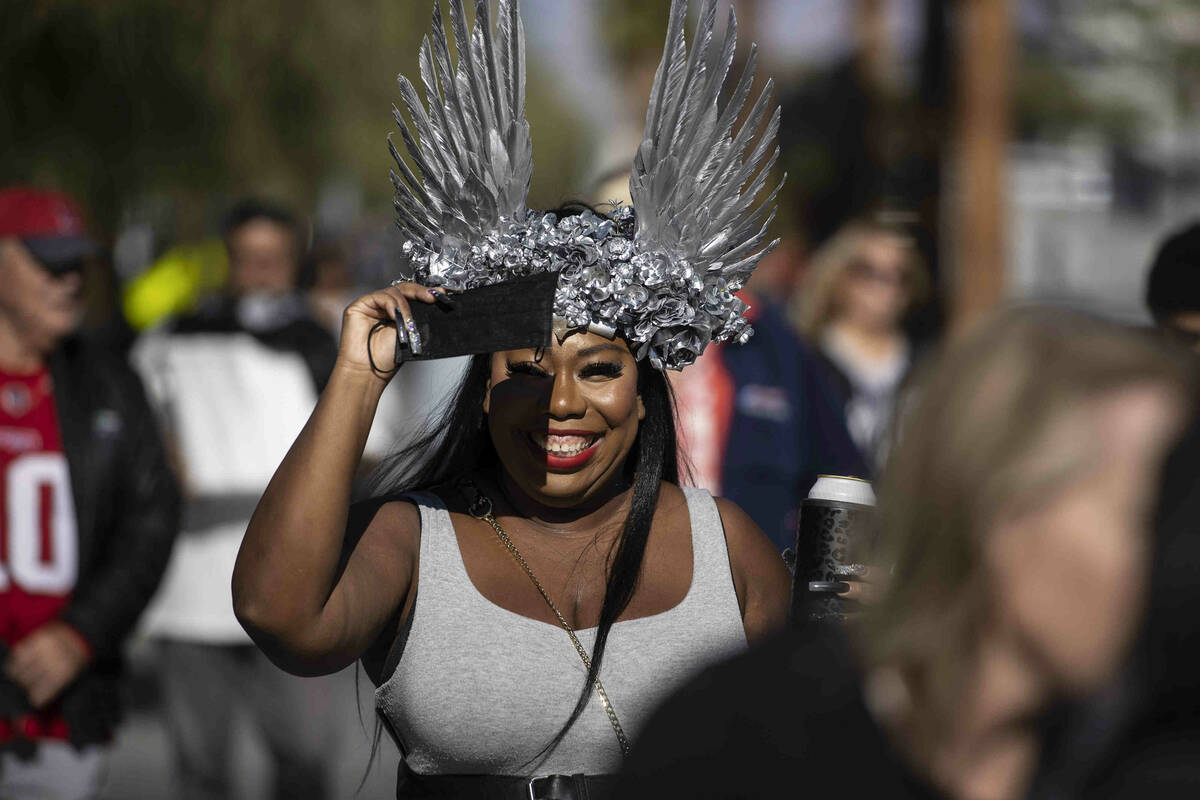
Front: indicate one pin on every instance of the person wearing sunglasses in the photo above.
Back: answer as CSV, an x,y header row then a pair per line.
x,y
851,307
88,508
232,382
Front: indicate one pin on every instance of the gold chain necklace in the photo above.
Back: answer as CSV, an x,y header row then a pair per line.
x,y
481,509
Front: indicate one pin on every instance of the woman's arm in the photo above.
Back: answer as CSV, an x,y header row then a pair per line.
x,y
759,576
287,590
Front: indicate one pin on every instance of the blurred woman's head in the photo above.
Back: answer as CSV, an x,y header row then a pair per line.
x,y
868,275
1018,498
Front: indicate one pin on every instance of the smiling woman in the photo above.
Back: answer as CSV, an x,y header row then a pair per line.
x,y
531,578
585,378
572,450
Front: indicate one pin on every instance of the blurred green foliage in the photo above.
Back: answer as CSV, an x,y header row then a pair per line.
x,y
167,111
1120,68
633,30
1051,104
189,103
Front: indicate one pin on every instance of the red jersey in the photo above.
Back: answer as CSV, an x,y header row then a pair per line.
x,y
39,542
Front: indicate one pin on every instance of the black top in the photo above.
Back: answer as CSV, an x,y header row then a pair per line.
x,y
1159,749
126,497
785,719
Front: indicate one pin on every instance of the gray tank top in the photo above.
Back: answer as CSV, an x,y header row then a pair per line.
x,y
480,689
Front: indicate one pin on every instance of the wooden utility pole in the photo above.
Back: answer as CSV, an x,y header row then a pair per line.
x,y
983,126
871,42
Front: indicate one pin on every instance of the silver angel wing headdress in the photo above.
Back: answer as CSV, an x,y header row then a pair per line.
x,y
663,277
472,146
694,190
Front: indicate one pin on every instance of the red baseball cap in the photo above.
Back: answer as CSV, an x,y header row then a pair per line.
x,y
49,224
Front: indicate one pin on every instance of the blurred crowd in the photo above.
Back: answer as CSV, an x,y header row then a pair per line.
x,y
1020,468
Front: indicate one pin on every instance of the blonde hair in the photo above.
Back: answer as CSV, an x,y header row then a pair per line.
x,y
814,305
975,442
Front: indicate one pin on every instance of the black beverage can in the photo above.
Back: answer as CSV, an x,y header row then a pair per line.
x,y
835,530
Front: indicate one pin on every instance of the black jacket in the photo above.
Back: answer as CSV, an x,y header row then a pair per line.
x,y
293,332
785,719
1159,748
127,511
788,718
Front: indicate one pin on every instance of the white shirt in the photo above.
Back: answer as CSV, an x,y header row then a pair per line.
x,y
232,408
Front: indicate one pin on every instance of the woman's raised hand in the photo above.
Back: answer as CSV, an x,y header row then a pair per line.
x,y
290,593
389,306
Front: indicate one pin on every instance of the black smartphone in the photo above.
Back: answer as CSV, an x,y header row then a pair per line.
x,y
504,316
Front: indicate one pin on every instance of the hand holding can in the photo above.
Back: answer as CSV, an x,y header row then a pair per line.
x,y
836,526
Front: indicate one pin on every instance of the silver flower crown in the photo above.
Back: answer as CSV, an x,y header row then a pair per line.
x,y
663,277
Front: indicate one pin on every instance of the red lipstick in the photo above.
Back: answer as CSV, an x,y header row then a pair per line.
x,y
571,462
555,461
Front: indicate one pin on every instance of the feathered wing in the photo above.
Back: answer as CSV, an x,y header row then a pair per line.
x,y
696,180
469,141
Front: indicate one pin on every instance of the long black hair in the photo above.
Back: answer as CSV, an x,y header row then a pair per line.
x,y
458,443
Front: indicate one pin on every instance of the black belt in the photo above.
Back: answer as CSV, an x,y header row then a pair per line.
x,y
504,787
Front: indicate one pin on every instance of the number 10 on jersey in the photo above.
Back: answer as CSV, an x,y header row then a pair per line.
x,y
41,542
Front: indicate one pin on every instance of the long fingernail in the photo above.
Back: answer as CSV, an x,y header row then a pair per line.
x,y
414,338
831,587
851,571
398,352
443,299
401,336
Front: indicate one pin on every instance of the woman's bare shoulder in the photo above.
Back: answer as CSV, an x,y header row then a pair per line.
x,y
402,508
670,495
741,532
398,514
740,526
748,545
760,577
393,522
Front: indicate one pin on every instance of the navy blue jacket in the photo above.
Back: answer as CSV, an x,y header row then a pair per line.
x,y
787,428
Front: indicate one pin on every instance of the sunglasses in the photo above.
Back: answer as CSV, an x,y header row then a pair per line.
x,y
60,269
865,270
